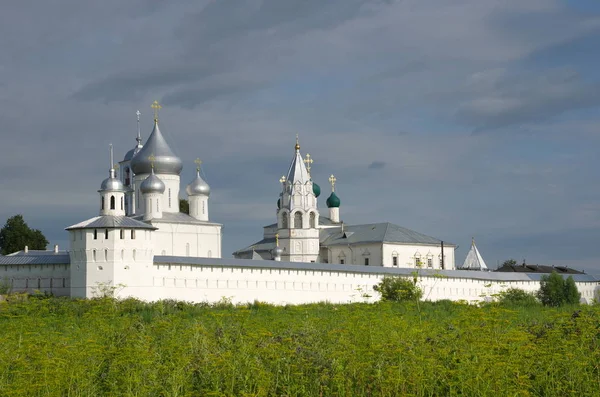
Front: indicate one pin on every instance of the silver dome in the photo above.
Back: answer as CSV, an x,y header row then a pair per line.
x,y
198,187
152,184
165,161
130,154
112,183
277,252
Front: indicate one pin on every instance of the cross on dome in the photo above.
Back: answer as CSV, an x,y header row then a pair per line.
x,y
308,161
152,159
332,180
156,106
282,179
198,164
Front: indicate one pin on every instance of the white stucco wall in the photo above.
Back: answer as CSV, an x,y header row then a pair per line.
x,y
182,239
52,279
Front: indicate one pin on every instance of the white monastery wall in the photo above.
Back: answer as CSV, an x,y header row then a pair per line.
x,y
180,239
429,256
48,278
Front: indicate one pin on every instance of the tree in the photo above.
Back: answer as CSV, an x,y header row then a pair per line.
x,y
556,291
509,262
572,295
517,297
15,235
398,289
184,206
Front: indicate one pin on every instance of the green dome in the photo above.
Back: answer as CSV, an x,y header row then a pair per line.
x,y
316,189
333,201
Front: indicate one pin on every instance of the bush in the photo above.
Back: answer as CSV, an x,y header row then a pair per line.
x,y
517,297
556,291
398,289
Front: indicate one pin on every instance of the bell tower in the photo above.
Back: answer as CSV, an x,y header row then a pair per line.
x,y
297,213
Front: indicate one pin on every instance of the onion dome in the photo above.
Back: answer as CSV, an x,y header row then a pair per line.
x,y
198,187
112,183
165,161
152,184
277,252
130,154
333,201
316,189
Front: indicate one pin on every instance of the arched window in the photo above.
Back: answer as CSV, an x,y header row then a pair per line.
x,y
121,203
133,234
122,254
134,254
122,234
157,208
94,255
112,202
105,255
284,220
169,198
102,202
106,234
95,234
298,220
127,179
209,254
187,249
312,220
203,208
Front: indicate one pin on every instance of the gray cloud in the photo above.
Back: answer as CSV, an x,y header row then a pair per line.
x,y
239,79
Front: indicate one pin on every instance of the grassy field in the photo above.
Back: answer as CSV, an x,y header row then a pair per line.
x,y
63,347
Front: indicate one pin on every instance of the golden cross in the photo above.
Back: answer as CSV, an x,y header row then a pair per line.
x,y
152,158
308,161
116,166
332,180
282,179
277,239
198,163
156,106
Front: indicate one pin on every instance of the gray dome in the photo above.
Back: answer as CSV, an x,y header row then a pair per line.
x,y
111,183
277,252
198,187
166,162
152,184
130,154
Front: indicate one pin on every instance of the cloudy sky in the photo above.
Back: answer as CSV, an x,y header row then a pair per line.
x,y
454,118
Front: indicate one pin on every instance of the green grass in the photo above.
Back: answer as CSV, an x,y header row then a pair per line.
x,y
64,347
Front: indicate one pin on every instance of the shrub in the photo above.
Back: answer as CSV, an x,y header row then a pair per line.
x,y
398,289
556,291
517,297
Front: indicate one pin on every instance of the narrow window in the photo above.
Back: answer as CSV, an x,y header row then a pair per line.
x,y
102,202
133,234
395,261
122,205
106,234
187,249
209,253
95,234
366,261
284,220
134,254
94,255
157,208
298,220
429,262
105,255
122,233
112,202
342,261
127,177
169,198
122,254
312,220
203,209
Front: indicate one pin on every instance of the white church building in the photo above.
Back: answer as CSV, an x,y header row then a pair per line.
x,y
141,245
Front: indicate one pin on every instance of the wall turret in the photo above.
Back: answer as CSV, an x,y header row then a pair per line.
x,y
198,192
112,193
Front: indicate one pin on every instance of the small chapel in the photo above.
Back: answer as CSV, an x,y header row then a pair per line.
x,y
302,234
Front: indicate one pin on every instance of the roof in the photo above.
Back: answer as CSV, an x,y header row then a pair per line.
x,y
524,268
323,221
393,271
38,253
36,258
177,217
111,222
297,173
264,245
377,233
474,260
